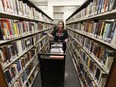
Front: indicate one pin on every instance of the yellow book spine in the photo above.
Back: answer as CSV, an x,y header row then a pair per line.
x,y
102,28
15,29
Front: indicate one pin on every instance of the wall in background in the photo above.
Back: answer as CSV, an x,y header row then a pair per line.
x,y
51,7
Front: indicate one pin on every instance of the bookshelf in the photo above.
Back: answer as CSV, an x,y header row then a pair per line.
x,y
18,17
21,39
92,42
101,65
93,38
97,17
24,36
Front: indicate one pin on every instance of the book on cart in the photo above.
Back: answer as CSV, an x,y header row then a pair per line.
x,y
56,49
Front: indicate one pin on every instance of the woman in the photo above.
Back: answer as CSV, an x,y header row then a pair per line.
x,y
59,34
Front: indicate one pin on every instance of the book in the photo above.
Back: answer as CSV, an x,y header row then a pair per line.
x,y
17,7
97,74
24,76
106,5
12,28
20,27
2,34
31,79
7,5
1,6
108,27
112,34
20,47
6,28
21,7
103,79
16,30
14,69
5,54
11,6
102,50
102,29
100,6
112,4
14,6
8,76
108,59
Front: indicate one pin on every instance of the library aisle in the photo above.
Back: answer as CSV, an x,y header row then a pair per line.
x,y
71,79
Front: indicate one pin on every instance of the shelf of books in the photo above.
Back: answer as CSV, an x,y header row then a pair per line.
x,y
94,10
21,39
109,42
92,42
22,10
101,16
19,30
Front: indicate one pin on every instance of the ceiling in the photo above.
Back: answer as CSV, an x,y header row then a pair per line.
x,y
39,0
59,6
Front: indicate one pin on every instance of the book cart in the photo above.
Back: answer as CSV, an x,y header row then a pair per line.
x,y
52,66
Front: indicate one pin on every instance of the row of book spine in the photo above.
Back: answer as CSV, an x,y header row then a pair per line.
x,y
87,69
86,80
31,69
14,28
20,8
11,51
100,53
20,66
17,67
44,48
19,58
94,8
32,78
102,30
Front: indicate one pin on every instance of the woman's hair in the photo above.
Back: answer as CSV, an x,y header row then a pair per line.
x,y
62,23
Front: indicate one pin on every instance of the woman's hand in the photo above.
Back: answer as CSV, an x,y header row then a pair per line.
x,y
66,40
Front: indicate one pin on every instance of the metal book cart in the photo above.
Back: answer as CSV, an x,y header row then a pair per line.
x,y
52,66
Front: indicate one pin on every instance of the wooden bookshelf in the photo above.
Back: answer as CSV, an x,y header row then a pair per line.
x,y
111,77
2,79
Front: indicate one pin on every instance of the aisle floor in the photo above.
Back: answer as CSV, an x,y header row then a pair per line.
x,y
71,79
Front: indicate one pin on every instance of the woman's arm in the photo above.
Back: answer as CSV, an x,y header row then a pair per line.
x,y
50,35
